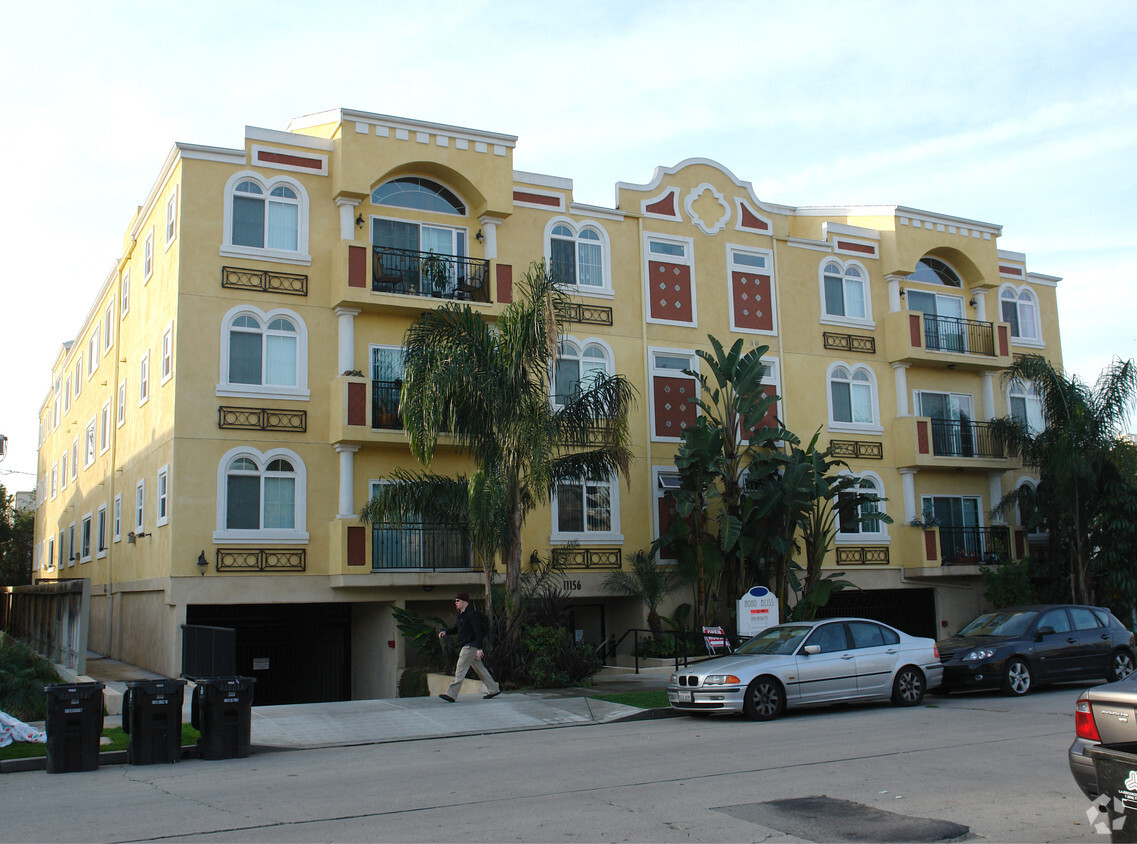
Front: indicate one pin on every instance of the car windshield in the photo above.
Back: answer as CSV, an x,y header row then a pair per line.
x,y
1000,624
776,640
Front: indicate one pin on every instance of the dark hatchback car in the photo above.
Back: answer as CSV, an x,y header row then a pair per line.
x,y
1019,648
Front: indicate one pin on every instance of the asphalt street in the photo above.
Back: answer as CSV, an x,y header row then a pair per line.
x,y
980,766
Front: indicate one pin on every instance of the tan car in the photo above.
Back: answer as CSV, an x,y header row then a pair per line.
x,y
1107,715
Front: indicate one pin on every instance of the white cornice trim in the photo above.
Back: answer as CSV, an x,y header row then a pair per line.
x,y
831,228
596,211
802,243
662,172
541,180
1008,255
344,115
275,136
897,211
1045,280
222,155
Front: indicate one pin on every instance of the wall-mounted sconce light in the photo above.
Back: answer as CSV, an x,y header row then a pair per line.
x,y
972,302
901,292
479,237
359,220
132,536
202,563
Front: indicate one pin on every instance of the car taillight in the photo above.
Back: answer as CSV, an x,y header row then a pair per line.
x,y
936,651
1084,724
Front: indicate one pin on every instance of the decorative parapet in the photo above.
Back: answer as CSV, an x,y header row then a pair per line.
x,y
261,559
262,419
268,281
849,342
848,555
588,558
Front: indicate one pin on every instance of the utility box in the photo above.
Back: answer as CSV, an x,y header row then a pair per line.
x,y
74,726
222,709
152,717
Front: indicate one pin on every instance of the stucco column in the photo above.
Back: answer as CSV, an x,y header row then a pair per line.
x,y
988,392
347,480
980,297
908,485
347,206
346,359
901,379
893,280
995,483
489,231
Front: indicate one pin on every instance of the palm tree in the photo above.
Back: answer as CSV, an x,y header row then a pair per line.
x,y
486,386
648,581
1078,457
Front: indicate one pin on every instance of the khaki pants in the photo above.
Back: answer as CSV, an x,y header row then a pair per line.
x,y
467,658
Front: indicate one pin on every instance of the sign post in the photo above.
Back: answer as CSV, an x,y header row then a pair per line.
x,y
757,610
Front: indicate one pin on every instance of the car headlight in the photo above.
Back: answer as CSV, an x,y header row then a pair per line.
x,y
982,653
721,680
674,681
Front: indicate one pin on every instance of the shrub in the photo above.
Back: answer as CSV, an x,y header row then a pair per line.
x,y
412,683
23,674
554,660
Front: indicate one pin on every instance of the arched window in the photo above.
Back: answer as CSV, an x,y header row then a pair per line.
x,y
852,396
266,218
844,291
1019,308
263,353
861,522
419,195
261,496
934,271
577,367
576,254
1026,406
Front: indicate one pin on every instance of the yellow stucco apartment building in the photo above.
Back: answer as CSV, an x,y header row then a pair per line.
x,y
213,430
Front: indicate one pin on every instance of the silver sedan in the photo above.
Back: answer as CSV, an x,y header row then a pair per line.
x,y
810,662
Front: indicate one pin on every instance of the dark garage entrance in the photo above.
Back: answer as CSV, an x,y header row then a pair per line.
x,y
910,610
298,653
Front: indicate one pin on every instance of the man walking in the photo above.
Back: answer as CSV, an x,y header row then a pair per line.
x,y
471,638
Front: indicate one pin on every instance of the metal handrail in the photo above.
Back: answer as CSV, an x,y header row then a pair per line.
x,y
419,546
964,438
974,545
954,334
429,274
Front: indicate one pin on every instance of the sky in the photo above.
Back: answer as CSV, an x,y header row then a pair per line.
x,y
1022,114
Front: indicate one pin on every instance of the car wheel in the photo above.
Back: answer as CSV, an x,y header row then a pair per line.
x,y
1120,665
1017,678
908,687
765,699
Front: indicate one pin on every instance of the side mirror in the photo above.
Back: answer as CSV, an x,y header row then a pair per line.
x,y
811,649
1042,631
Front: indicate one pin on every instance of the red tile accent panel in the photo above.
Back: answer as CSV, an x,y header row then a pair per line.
x,y
664,206
753,304
930,546
669,289
505,283
865,248
770,420
1020,544
356,403
356,545
914,330
674,409
667,515
356,266
749,221
291,160
1010,271
922,436
1004,341
536,198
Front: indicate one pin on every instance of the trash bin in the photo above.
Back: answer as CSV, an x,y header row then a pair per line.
x,y
152,717
74,726
1116,767
221,708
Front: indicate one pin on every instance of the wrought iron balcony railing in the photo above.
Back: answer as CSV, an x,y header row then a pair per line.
x,y
587,558
429,274
419,547
964,438
952,334
385,405
962,546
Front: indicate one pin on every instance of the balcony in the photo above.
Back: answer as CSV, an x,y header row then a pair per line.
x,y
420,547
385,405
413,273
949,444
948,342
972,546
964,438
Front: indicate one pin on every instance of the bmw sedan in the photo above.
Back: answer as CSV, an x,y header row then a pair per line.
x,y
810,662
1103,715
1019,648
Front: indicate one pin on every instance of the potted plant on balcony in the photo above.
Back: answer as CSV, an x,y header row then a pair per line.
x,y
436,273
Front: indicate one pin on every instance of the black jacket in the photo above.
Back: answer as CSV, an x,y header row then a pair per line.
x,y
469,628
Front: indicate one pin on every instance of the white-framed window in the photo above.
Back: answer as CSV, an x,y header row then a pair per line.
x,y
578,255
50,561
55,404
261,496
85,538
172,217
62,546
105,427
1019,307
63,473
140,506
101,532
266,218
845,293
108,326
144,379
89,443
121,404
931,270
162,498
54,480
418,194
669,279
148,257
67,394
125,293
587,510
77,380
168,353
672,391
579,364
860,525
116,528
852,395
263,353
93,355
72,551
75,458
664,479
1026,406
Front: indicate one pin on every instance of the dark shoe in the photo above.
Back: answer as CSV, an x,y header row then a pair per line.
x,y
495,694
447,698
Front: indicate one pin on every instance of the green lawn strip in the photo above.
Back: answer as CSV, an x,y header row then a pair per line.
x,y
119,741
651,699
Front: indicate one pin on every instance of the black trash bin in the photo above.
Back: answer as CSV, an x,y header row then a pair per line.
x,y
1116,767
152,717
74,726
221,709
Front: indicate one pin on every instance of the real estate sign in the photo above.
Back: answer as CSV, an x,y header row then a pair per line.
x,y
757,610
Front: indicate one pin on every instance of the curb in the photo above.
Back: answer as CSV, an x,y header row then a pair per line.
x,y
652,714
106,757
